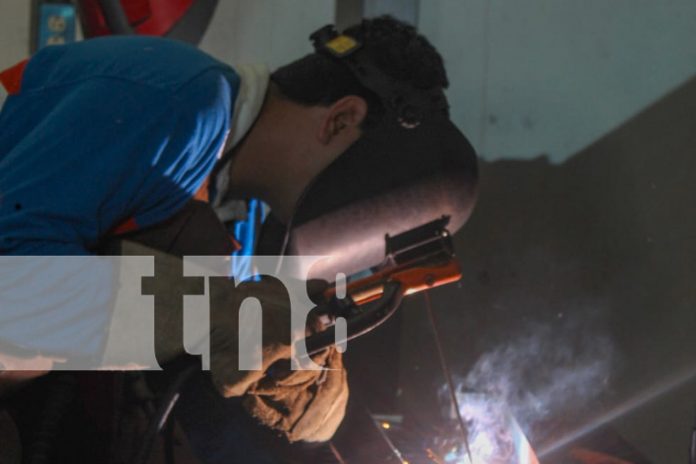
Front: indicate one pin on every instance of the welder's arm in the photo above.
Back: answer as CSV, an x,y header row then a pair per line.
x,y
53,309
303,405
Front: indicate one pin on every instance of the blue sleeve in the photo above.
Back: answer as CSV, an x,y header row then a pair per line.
x,y
96,153
184,156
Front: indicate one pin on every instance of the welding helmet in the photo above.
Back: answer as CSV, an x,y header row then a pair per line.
x,y
414,167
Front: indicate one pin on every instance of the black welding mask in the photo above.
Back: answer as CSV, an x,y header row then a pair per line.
x,y
413,168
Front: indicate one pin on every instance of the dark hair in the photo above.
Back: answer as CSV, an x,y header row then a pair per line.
x,y
394,47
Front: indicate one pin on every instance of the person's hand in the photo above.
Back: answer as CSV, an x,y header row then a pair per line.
x,y
306,405
226,300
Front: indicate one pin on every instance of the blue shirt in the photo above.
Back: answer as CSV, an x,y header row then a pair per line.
x,y
101,131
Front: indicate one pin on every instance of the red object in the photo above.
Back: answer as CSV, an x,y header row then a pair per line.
x,y
147,17
127,226
11,78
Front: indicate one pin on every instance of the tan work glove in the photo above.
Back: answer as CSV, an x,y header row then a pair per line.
x,y
302,405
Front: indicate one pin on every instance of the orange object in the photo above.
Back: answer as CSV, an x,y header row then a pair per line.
x,y
127,226
202,193
412,279
11,78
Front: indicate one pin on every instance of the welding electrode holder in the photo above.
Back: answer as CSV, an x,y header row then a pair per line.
x,y
415,260
371,316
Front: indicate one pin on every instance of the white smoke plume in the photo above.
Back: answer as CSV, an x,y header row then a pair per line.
x,y
544,373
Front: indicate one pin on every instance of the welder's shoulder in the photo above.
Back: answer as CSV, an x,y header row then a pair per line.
x,y
150,61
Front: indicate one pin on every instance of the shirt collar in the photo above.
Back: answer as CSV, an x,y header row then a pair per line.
x,y
253,85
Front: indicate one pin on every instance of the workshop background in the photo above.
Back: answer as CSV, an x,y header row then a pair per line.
x,y
578,302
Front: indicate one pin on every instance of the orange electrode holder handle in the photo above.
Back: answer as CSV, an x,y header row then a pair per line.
x,y
418,259
412,280
415,260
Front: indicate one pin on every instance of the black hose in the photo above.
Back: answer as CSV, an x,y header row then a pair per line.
x,y
115,17
167,403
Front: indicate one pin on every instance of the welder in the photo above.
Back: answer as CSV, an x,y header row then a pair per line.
x,y
117,136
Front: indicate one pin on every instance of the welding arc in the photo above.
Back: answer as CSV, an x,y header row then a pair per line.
x,y
447,373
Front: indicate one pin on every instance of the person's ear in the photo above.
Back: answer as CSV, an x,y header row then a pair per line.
x,y
343,118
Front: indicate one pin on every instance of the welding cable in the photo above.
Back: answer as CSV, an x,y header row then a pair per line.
x,y
447,373
372,315
161,416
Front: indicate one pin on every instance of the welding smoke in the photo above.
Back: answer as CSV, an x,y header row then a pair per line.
x,y
542,373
